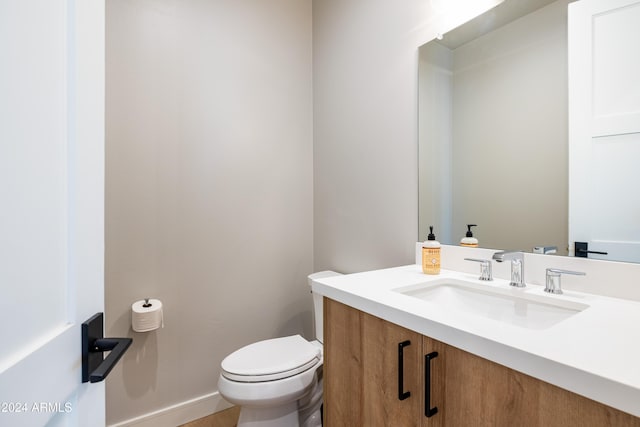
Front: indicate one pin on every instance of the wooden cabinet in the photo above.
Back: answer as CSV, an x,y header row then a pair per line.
x,y
373,371
361,370
361,383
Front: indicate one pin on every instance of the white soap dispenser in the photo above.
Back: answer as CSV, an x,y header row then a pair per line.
x,y
469,241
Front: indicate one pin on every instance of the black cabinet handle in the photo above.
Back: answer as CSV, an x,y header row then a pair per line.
x,y
94,367
402,395
428,410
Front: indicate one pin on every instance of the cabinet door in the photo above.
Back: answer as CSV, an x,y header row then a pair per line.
x,y
434,407
478,392
481,393
362,370
343,371
392,362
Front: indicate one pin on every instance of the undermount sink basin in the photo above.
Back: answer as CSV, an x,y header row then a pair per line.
x,y
508,305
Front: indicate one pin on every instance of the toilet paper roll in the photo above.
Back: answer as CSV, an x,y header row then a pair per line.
x,y
146,315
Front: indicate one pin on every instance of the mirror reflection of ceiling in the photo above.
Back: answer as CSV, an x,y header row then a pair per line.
x,y
500,15
494,123
493,138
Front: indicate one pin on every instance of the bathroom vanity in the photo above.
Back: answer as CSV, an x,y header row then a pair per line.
x,y
402,348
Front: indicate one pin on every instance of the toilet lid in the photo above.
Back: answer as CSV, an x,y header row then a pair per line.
x,y
271,360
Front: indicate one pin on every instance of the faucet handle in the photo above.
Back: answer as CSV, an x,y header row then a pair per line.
x,y
501,256
553,284
485,268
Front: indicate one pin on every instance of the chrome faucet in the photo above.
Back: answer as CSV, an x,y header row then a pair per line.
x,y
553,285
485,268
517,266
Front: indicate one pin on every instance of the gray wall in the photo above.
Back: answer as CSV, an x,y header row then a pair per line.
x,y
365,131
208,189
217,201
510,133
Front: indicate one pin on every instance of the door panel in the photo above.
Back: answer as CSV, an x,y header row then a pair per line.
x,y
604,127
616,67
33,175
51,221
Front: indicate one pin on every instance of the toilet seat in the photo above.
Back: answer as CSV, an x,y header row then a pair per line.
x,y
271,360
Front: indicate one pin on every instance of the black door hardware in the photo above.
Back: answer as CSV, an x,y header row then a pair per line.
x,y
428,410
402,395
94,367
582,250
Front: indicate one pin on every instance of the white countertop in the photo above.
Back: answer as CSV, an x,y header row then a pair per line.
x,y
594,353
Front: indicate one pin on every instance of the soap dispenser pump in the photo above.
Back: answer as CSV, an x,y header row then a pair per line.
x,y
469,241
431,254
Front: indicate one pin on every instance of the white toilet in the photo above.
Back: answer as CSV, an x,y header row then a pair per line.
x,y
278,382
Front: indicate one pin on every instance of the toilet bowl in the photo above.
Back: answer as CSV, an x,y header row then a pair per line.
x,y
277,382
266,379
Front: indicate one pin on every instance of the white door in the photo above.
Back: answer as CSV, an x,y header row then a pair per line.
x,y
604,127
51,207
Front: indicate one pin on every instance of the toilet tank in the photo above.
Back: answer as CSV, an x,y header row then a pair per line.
x,y
317,302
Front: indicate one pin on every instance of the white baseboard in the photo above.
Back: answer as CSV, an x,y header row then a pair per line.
x,y
180,413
